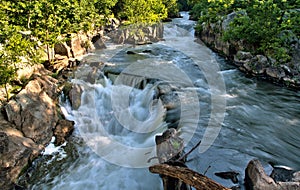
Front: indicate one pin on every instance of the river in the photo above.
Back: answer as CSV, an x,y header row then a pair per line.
x,y
237,118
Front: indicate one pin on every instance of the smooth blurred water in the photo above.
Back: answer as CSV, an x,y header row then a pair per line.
x,y
261,119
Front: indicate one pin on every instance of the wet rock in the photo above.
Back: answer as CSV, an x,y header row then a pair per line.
x,y
93,75
296,177
130,52
281,173
170,100
242,55
33,110
257,179
275,72
75,96
232,175
147,51
63,130
98,42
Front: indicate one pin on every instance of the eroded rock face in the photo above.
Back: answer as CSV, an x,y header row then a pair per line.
x,y
16,151
33,110
138,36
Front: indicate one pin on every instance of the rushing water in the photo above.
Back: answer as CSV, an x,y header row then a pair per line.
x,y
261,120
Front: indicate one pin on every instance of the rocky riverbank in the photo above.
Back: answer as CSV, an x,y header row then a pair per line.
x,y
261,66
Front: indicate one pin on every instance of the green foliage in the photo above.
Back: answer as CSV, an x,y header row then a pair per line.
x,y
183,5
142,11
258,22
172,8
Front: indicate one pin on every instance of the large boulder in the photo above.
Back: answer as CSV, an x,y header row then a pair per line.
x,y
34,110
257,179
16,151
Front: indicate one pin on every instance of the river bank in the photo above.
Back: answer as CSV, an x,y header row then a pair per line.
x,y
253,64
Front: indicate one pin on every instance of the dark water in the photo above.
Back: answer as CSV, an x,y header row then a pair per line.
x,y
258,119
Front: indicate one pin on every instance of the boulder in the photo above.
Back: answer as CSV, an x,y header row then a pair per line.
x,y
98,42
33,111
242,56
75,96
16,151
275,72
63,49
78,45
257,179
63,130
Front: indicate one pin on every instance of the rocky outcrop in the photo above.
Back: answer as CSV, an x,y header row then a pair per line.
x,y
16,152
255,65
79,44
257,179
33,111
33,118
138,36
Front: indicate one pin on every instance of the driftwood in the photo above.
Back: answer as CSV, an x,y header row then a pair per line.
x,y
188,176
169,148
172,169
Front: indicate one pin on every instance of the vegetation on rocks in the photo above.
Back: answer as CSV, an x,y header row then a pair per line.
x,y
268,30
270,26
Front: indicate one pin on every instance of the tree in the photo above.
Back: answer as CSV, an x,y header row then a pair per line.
x,y
172,8
142,11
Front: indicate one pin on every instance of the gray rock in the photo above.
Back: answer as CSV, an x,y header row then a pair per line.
x,y
138,36
98,42
256,178
75,96
242,55
229,18
275,72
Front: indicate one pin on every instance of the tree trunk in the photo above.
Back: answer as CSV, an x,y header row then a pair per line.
x,y
188,176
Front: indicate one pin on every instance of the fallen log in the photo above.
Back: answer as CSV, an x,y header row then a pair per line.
x,y
188,176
